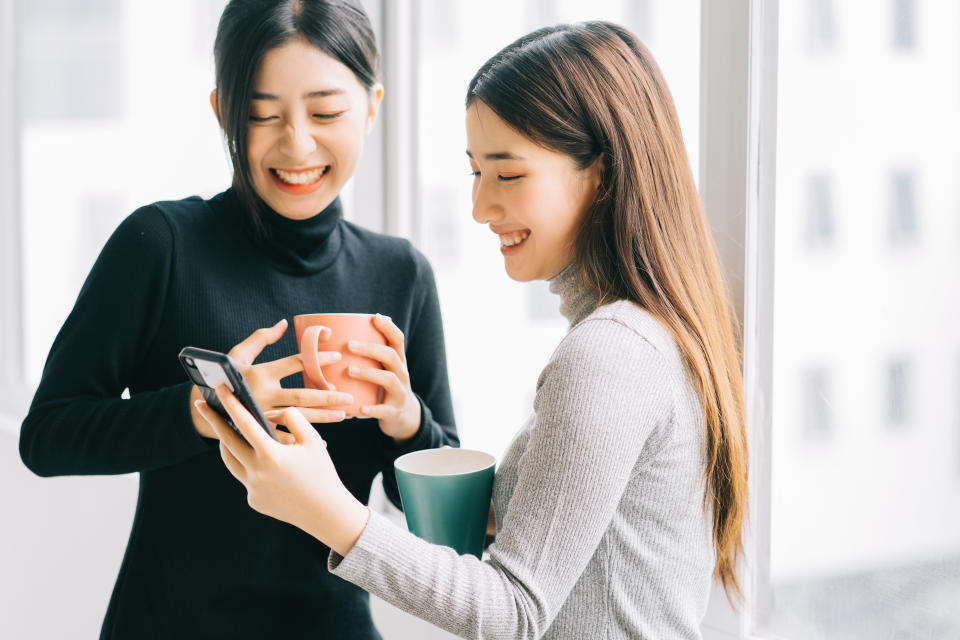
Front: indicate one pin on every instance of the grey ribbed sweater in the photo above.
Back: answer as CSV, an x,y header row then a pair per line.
x,y
602,531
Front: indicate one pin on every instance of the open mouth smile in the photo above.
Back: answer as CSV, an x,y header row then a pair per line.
x,y
511,242
300,181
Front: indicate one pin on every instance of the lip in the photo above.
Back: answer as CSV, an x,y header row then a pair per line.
x,y
299,189
509,251
506,232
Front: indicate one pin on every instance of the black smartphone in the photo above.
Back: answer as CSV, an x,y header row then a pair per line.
x,y
208,369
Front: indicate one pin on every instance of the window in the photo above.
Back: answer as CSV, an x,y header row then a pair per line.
x,y
863,529
820,226
816,404
85,106
898,393
821,25
78,52
903,217
904,24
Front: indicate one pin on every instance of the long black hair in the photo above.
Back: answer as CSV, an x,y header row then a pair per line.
x,y
248,29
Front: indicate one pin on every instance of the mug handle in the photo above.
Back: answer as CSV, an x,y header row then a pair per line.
x,y
309,345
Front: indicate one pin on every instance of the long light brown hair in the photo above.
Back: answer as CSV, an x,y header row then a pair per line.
x,y
593,90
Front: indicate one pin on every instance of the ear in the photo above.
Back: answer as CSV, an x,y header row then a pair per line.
x,y
595,173
376,96
213,104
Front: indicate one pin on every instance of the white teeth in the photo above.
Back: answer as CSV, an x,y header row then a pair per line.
x,y
512,241
300,177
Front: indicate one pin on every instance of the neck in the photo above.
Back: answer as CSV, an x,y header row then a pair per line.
x,y
576,299
297,246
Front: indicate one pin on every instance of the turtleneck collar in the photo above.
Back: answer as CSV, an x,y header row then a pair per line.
x,y
299,247
577,301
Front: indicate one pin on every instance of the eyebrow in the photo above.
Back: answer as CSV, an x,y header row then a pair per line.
x,y
500,155
322,93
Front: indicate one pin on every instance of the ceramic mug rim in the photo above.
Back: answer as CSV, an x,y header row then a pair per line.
x,y
484,461
312,315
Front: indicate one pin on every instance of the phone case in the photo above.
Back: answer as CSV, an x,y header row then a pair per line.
x,y
208,369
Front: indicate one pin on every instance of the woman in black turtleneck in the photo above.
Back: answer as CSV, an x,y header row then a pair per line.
x,y
296,95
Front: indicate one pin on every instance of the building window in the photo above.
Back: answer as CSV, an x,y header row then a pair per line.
x,y
820,226
78,50
904,24
903,205
898,393
816,408
821,25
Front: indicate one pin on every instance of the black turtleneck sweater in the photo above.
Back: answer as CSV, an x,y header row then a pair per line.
x,y
200,563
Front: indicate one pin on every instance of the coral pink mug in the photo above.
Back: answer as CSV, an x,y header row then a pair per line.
x,y
331,332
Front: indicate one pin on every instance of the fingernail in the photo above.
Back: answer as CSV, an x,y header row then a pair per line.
x,y
282,321
352,369
273,413
352,344
200,405
346,398
365,410
342,415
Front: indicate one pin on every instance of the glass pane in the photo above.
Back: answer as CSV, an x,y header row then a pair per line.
x,y
113,101
866,443
501,333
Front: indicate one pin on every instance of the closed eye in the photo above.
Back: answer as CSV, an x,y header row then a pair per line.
x,y
263,119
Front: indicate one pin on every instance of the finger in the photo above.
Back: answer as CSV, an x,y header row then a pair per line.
x,y
386,379
248,350
246,423
234,466
283,367
381,353
379,411
309,398
324,416
392,333
298,425
224,432
284,437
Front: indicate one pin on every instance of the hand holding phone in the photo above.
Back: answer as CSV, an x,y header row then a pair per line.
x,y
209,369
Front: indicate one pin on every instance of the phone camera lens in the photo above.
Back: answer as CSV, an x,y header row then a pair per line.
x,y
189,361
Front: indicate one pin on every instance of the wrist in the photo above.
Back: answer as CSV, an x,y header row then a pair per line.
x,y
343,527
412,429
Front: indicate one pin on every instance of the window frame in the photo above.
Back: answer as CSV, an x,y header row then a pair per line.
x,y
738,135
14,394
739,45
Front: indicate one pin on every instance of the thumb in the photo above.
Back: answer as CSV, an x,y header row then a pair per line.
x,y
248,350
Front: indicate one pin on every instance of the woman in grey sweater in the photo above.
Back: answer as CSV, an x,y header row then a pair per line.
x,y
625,492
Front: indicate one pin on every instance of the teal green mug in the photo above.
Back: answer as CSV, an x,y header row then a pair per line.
x,y
446,496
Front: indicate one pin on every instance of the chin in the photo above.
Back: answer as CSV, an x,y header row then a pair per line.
x,y
521,276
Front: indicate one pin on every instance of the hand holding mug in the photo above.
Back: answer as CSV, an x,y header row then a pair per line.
x,y
399,410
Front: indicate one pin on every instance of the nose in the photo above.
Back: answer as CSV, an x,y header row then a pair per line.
x,y
298,140
486,208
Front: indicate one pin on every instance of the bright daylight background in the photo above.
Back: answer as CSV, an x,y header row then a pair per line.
x,y
866,441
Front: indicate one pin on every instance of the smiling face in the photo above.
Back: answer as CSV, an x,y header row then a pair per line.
x,y
309,117
532,198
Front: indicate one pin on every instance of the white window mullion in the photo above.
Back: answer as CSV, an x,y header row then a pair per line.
x,y
13,392
737,185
